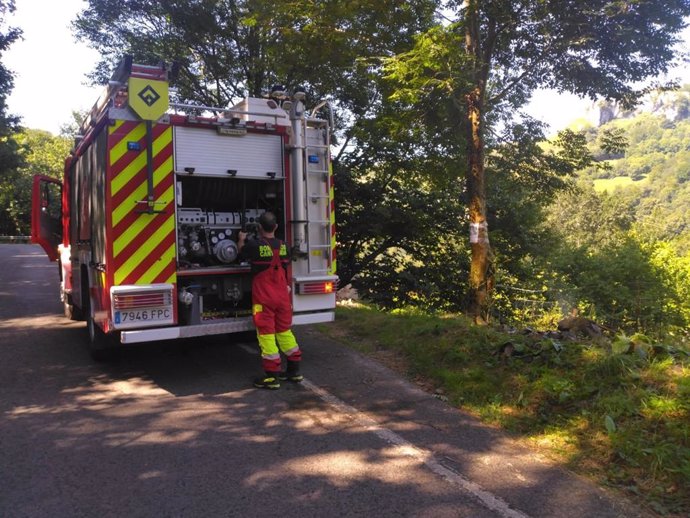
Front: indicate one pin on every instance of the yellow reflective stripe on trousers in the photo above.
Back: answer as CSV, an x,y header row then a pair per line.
x,y
268,346
287,342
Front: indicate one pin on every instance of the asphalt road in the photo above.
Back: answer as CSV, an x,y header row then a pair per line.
x,y
175,429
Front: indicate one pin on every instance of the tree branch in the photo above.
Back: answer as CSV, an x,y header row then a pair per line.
x,y
342,149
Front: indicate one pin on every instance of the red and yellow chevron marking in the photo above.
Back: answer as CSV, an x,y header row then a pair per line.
x,y
331,200
143,245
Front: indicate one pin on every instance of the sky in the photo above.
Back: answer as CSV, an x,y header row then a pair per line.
x,y
50,67
50,70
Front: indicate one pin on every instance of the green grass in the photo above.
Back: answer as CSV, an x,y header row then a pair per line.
x,y
619,182
622,419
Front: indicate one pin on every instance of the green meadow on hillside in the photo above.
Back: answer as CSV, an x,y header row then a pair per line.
x,y
619,182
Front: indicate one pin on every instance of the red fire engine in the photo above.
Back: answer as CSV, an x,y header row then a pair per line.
x,y
145,223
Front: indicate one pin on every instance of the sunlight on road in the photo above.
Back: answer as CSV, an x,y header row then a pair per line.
x,y
100,394
107,390
37,321
389,465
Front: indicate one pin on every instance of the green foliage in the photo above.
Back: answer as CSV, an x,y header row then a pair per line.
x,y
399,84
674,271
433,75
483,67
618,285
657,153
525,177
10,159
72,129
617,415
605,265
41,153
226,49
229,48
612,142
8,35
397,232
620,255
44,153
610,424
603,185
402,231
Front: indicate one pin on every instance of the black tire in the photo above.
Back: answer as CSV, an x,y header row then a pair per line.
x,y
99,345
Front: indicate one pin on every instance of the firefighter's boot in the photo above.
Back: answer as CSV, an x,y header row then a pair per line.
x,y
291,373
268,381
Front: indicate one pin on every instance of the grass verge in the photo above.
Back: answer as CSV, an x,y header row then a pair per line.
x,y
621,418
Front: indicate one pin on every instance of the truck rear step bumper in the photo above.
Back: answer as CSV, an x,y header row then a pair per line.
x,y
217,328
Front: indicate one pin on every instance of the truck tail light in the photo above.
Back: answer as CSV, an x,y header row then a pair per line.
x,y
315,287
146,299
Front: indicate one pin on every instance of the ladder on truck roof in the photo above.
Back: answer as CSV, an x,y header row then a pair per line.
x,y
317,178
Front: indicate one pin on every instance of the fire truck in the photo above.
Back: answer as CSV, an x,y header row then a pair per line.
x,y
144,225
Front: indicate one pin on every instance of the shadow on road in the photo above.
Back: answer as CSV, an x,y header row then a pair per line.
x,y
175,429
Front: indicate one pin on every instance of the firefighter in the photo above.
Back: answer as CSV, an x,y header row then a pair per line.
x,y
271,306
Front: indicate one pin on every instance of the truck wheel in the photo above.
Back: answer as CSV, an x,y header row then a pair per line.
x,y
99,346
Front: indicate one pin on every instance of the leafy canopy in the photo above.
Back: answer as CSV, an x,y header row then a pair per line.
x,y
10,159
229,48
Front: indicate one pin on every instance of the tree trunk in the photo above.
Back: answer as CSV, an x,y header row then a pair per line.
x,y
480,281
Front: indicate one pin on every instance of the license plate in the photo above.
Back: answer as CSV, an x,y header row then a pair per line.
x,y
143,315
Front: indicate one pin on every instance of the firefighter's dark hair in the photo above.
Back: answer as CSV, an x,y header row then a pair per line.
x,y
268,221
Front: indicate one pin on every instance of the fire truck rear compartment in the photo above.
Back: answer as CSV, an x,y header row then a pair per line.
x,y
214,282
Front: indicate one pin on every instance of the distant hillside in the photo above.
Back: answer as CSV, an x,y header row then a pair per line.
x,y
654,172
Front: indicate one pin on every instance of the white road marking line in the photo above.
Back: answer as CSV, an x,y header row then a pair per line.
x,y
489,500
248,348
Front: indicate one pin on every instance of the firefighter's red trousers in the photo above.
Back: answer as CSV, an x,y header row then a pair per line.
x,y
272,313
